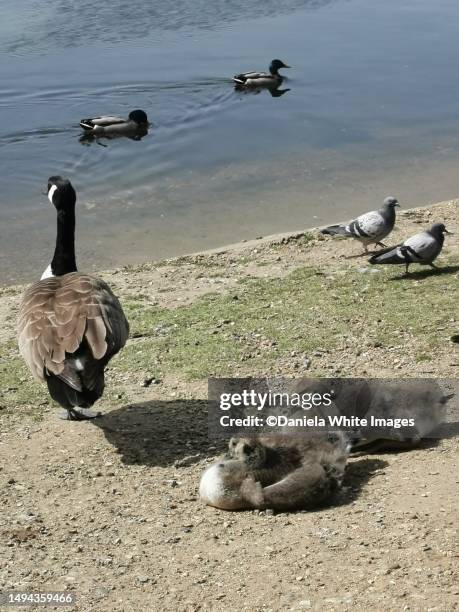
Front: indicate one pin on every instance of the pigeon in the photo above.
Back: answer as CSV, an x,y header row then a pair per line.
x,y
369,228
422,248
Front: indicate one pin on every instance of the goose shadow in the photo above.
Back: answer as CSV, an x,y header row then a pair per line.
x,y
161,432
359,255
422,274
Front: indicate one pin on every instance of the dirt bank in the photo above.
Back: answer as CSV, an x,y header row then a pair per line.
x,y
109,509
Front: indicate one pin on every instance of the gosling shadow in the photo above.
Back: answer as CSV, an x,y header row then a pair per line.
x,y
161,433
358,473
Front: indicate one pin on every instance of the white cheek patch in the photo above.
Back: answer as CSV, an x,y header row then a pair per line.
x,y
48,273
51,191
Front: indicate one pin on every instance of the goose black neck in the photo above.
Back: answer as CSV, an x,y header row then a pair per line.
x,y
274,71
64,254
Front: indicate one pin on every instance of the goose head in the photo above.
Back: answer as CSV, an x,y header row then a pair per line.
x,y
275,65
61,193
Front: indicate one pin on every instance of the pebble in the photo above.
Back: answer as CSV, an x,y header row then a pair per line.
x,y
143,579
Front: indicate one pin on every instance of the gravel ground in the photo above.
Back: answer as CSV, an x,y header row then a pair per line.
x,y
109,509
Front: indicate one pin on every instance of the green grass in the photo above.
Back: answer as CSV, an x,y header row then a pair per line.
x,y
260,323
18,389
303,312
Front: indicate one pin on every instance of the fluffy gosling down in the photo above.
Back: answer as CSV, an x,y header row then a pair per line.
x,y
276,472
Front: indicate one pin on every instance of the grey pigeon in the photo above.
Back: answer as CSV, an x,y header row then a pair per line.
x,y
422,248
369,228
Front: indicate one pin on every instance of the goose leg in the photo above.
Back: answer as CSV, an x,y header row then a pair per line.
x,y
382,244
433,266
78,414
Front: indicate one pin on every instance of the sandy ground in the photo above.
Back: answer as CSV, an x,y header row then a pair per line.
x,y
109,509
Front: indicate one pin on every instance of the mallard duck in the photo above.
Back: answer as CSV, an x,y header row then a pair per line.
x,y
136,124
271,79
70,323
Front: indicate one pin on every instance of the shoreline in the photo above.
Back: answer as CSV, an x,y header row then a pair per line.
x,y
250,243
294,235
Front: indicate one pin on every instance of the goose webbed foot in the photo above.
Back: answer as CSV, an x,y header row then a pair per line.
x,y
78,414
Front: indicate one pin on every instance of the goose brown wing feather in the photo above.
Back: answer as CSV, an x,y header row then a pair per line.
x,y
57,313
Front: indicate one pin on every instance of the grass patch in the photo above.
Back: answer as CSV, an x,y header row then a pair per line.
x,y
304,312
308,237
18,390
260,323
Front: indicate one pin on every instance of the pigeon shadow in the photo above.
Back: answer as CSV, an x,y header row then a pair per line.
x,y
161,433
356,256
422,274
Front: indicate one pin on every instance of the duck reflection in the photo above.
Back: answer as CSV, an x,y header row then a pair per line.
x,y
275,92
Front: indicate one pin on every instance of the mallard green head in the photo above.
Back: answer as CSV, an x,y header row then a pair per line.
x,y
275,65
139,117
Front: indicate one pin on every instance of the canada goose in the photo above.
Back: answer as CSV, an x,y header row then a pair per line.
x,y
422,248
369,228
135,126
70,324
271,79
277,472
